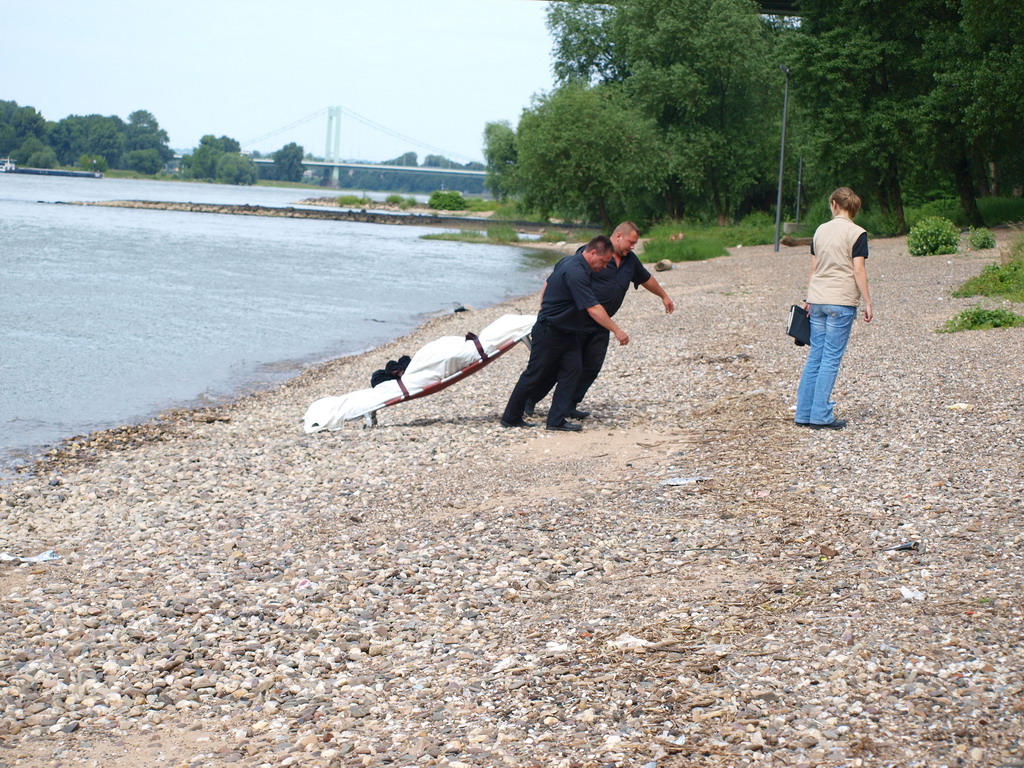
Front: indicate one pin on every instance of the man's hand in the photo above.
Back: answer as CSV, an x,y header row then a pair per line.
x,y
623,338
670,306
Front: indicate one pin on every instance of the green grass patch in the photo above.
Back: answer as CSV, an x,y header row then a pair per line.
x,y
479,205
568,236
501,234
1003,281
354,201
980,319
701,240
514,211
689,249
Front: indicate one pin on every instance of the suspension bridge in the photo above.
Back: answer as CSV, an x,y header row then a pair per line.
x,y
332,149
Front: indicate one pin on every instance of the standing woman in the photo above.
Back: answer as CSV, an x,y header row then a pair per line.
x,y
837,283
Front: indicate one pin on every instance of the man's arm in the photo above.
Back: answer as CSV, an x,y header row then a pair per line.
x,y
600,316
654,287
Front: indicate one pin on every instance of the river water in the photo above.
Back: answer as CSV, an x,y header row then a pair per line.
x,y
110,315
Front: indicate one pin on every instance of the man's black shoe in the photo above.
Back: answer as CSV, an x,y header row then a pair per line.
x,y
837,424
520,423
565,426
528,410
576,413
802,423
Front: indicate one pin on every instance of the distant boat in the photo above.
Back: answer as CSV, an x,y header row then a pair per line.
x,y
8,166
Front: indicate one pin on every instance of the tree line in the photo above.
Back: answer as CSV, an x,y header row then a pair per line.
x,y
98,143
93,141
664,109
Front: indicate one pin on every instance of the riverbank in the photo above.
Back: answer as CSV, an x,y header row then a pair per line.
x,y
360,216
691,580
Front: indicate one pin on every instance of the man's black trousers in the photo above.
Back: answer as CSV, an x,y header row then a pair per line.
x,y
555,357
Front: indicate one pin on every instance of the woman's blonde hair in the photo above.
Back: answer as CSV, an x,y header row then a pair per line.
x,y
847,200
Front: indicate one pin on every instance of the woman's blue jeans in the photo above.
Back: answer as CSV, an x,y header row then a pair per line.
x,y
830,331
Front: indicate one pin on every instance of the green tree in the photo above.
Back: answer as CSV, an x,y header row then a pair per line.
x,y
92,163
204,161
409,158
584,152
439,161
233,168
697,69
143,132
18,124
29,147
863,80
146,161
501,156
44,158
973,113
288,162
92,134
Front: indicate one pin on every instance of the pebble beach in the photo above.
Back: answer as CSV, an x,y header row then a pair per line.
x,y
692,580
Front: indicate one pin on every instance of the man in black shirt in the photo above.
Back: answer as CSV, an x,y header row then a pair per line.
x,y
610,286
568,303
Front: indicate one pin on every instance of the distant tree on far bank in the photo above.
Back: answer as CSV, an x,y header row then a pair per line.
x,y
144,134
94,163
408,158
288,162
500,154
219,159
34,154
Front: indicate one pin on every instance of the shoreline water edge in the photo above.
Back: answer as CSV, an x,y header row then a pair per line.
x,y
690,580
39,459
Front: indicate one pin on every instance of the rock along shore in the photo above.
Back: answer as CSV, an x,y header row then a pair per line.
x,y
691,581
361,216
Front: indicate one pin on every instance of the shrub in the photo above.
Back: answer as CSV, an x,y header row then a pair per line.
x,y
447,201
979,319
393,199
980,239
933,236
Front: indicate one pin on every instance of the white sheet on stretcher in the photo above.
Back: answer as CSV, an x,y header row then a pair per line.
x,y
433,363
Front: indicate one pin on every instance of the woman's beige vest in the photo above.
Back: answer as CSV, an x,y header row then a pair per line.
x,y
832,281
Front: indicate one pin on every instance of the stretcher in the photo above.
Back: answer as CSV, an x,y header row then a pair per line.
x,y
434,367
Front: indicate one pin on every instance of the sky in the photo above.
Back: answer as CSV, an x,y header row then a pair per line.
x,y
434,72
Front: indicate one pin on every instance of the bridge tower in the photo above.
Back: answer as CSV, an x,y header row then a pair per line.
x,y
332,152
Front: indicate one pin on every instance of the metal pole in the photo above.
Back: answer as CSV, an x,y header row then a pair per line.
x,y
782,157
799,183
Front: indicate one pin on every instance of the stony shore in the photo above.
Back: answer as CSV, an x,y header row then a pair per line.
x,y
690,581
329,210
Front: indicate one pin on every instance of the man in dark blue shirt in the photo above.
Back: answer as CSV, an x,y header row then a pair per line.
x,y
610,286
568,303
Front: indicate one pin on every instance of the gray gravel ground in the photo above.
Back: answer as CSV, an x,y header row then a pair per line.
x,y
439,591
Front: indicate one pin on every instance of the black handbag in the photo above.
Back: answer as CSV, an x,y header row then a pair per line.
x,y
799,325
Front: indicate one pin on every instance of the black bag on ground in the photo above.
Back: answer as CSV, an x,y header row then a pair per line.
x,y
799,325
